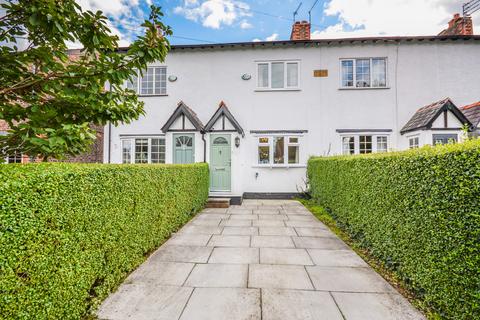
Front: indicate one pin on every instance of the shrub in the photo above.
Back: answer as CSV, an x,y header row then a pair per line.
x,y
69,233
418,212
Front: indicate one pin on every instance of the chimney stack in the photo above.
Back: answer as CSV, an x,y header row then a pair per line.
x,y
300,31
459,26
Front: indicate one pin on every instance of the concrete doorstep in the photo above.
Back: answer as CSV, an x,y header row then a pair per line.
x,y
265,259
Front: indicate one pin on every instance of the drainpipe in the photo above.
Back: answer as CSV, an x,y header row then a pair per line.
x,y
109,135
204,147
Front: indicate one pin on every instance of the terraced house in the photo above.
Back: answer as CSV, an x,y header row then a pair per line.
x,y
257,111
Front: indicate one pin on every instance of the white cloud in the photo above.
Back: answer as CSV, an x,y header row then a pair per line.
x,y
245,24
273,37
387,17
125,16
213,13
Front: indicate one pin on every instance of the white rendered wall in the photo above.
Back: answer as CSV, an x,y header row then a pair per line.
x,y
418,74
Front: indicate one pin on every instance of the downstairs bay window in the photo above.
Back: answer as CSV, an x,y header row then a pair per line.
x,y
278,150
143,150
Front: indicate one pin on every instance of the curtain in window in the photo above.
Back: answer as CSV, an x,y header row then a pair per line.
x,y
379,73
292,74
263,75
278,71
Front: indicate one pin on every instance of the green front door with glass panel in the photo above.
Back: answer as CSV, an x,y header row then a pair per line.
x,y
183,148
220,163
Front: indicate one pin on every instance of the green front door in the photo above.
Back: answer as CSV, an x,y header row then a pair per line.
x,y
183,148
220,163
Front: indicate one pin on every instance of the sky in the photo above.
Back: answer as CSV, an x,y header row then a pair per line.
x,y
214,21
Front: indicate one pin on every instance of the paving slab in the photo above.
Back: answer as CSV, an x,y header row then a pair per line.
x,y
319,243
285,256
192,254
336,258
298,305
348,279
272,242
145,301
240,231
236,223
235,255
268,223
278,277
265,255
218,275
375,306
222,304
277,231
162,273
229,241
185,239
201,229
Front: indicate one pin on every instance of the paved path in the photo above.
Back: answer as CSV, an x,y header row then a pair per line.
x,y
262,260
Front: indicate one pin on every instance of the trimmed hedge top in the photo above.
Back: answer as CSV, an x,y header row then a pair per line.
x,y
419,212
70,233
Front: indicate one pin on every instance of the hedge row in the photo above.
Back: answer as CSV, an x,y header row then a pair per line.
x,y
417,211
70,233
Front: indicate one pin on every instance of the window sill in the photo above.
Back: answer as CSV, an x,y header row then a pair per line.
x,y
279,166
152,95
363,88
275,90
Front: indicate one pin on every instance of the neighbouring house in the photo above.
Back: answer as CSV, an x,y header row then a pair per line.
x,y
472,112
256,111
438,123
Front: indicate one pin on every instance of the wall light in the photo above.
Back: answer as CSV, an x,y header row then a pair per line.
x,y
237,141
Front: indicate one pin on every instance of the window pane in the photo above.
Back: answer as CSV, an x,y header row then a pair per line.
x,y
278,74
293,140
161,80
126,151
293,154
279,150
132,83
382,145
146,82
263,154
365,144
263,75
263,140
348,144
363,73
379,72
292,74
158,150
347,73
141,150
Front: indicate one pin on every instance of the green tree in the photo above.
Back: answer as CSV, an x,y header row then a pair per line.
x,y
50,101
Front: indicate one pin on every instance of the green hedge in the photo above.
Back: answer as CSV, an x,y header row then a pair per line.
x,y
417,211
69,233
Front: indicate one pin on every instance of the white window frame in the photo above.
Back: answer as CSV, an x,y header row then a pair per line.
x,y
414,146
286,144
285,78
139,83
132,151
356,141
354,60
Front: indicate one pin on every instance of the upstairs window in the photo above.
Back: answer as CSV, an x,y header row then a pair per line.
x,y
143,150
153,82
364,73
278,75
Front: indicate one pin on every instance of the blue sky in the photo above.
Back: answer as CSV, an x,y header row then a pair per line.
x,y
204,21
